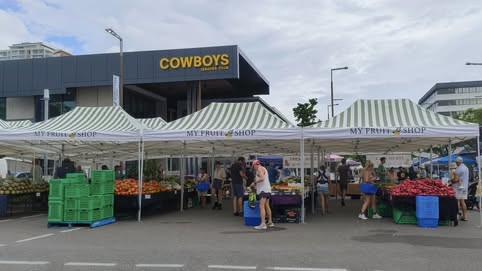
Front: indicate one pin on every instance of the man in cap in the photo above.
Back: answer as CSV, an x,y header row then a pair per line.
x,y
462,177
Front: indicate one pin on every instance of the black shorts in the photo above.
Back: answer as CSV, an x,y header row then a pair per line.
x,y
217,184
343,185
265,195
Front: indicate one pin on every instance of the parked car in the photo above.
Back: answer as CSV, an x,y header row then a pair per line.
x,y
23,175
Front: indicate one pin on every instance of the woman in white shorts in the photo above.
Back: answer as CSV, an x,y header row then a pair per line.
x,y
323,189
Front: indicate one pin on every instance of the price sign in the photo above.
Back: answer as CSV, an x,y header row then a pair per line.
x,y
37,194
175,192
147,196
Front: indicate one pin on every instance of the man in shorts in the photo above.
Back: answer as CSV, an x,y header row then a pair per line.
x,y
344,172
461,187
237,177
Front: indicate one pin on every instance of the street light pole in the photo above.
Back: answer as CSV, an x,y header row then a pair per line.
x,y
121,65
331,77
473,63
329,109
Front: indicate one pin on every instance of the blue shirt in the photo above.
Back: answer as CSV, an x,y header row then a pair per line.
x,y
273,175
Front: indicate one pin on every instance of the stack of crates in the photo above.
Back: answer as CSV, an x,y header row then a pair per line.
x,y
73,200
56,201
102,186
427,211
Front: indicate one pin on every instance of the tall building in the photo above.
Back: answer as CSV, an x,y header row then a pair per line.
x,y
454,97
28,50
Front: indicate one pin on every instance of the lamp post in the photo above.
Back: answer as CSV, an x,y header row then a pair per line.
x,y
121,66
331,73
330,105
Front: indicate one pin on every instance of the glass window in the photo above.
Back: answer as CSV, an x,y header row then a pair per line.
x,y
3,108
446,91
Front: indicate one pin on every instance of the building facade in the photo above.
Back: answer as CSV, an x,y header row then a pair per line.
x,y
451,98
166,83
28,50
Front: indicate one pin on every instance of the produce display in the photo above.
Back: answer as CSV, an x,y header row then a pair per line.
x,y
15,187
128,187
424,187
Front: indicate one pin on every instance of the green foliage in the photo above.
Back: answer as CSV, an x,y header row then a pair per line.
x,y
305,113
471,115
150,169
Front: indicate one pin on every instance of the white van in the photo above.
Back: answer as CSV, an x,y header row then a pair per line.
x,y
9,165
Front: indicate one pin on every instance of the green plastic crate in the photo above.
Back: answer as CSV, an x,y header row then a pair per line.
x,y
383,209
102,176
445,222
107,212
56,190
56,211
102,188
71,203
76,190
91,202
107,200
89,215
404,216
71,215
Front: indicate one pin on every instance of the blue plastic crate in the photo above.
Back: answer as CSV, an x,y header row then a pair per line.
x,y
251,212
252,221
427,222
427,207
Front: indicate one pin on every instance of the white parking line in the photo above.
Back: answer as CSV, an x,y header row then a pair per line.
x,y
2,245
24,262
74,229
160,265
304,269
5,220
33,238
236,267
30,216
89,264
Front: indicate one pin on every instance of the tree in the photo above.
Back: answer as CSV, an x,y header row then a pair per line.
x,y
471,115
305,113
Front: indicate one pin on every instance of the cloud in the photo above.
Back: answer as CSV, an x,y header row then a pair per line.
x,y
393,49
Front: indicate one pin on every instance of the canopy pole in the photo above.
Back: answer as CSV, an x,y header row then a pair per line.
x,y
312,171
181,171
450,153
431,162
139,182
480,180
302,171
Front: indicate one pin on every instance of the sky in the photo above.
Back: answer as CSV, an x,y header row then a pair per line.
x,y
392,48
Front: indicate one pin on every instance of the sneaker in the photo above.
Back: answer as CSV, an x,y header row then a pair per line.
x,y
342,203
261,227
377,216
220,207
270,225
362,216
236,214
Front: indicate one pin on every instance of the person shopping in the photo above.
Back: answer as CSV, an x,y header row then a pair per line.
x,y
203,186
369,177
217,186
263,189
323,189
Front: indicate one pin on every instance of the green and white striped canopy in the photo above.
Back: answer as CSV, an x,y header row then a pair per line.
x,y
387,113
82,124
19,123
226,121
153,123
230,116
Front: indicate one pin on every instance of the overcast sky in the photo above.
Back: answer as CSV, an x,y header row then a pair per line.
x,y
394,49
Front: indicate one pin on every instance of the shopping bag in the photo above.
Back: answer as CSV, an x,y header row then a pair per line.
x,y
252,200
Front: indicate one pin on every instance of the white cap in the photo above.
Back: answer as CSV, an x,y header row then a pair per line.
x,y
459,160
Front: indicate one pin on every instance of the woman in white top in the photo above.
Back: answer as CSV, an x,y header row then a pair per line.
x,y
263,189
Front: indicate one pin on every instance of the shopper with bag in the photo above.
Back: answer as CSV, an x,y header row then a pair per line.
x,y
369,190
323,189
217,186
263,189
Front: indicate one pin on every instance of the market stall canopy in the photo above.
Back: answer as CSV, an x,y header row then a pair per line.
x,y
445,160
15,123
153,123
226,121
82,124
386,126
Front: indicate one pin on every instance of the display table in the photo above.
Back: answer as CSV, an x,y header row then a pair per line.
x,y
168,200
